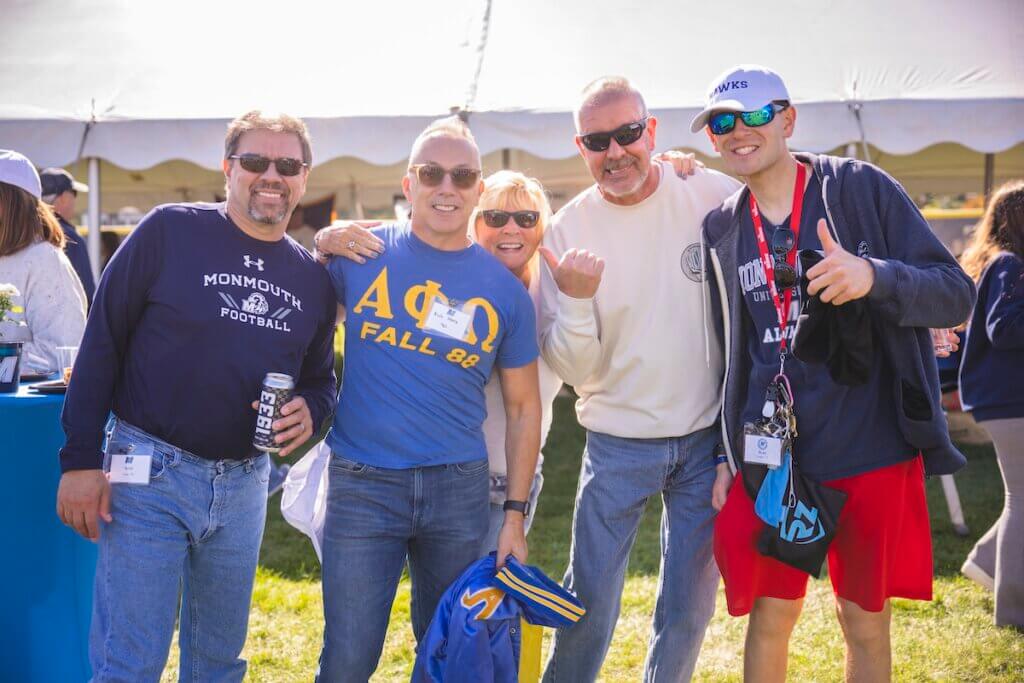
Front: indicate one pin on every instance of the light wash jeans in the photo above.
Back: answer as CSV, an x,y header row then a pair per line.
x,y
376,519
194,529
618,476
496,516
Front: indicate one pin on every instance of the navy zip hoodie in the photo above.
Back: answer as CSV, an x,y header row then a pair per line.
x,y
189,316
918,284
992,372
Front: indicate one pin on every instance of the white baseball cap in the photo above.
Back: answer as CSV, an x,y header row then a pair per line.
x,y
17,170
746,87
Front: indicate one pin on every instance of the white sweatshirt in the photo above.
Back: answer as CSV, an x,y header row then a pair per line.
x,y
52,297
637,352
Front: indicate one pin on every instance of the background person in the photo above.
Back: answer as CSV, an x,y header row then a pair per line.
x,y
991,381
32,259
60,190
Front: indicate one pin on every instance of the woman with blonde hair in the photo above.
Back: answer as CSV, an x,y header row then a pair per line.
x,y
50,296
991,377
509,222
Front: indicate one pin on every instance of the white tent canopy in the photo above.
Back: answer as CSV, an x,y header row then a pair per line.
x,y
140,84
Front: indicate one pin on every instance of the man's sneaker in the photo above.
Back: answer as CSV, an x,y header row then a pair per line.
x,y
978,575
278,473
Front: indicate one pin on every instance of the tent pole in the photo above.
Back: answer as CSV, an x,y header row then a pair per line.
x,y
990,175
93,240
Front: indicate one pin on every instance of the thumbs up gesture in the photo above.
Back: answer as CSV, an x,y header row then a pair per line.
x,y
577,274
840,276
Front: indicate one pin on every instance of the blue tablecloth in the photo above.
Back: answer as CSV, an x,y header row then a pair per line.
x,y
46,570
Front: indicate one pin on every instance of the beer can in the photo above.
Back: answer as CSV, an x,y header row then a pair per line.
x,y
275,392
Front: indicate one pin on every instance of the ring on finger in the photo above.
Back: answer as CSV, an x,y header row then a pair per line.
x,y
351,244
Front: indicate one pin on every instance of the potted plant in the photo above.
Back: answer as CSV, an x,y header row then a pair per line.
x,y
13,334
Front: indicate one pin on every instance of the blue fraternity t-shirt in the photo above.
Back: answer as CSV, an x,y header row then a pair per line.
x,y
415,369
842,430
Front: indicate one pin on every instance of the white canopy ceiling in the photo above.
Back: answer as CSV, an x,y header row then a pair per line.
x,y
154,81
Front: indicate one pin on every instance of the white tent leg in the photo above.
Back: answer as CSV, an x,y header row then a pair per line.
x,y
93,240
956,513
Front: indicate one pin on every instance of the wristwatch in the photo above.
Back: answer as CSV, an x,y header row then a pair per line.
x,y
522,506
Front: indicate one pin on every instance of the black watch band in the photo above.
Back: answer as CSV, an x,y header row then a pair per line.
x,y
517,505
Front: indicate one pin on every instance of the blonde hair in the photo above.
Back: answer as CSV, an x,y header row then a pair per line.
x,y
448,127
508,189
1000,229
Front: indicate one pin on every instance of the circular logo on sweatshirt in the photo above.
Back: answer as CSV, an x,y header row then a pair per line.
x,y
692,263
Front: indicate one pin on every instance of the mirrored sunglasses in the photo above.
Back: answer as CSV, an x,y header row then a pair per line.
x,y
725,121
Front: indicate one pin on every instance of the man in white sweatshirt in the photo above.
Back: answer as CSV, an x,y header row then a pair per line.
x,y
622,322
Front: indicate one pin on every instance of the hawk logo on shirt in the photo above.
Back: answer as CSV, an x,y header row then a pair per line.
x,y
692,262
256,304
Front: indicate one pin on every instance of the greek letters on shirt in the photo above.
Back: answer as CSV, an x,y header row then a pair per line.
x,y
416,302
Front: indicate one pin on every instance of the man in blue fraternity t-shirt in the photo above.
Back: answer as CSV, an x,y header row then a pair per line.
x,y
425,324
196,307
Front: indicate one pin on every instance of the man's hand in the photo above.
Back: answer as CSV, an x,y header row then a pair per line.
x,y
720,489
351,239
684,164
83,496
295,426
578,274
840,276
512,538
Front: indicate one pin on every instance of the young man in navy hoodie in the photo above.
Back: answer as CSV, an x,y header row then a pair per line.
x,y
196,307
875,440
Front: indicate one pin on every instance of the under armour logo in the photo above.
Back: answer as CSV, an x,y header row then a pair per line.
x,y
249,263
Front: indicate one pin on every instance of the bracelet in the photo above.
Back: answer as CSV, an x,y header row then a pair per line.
x,y
721,459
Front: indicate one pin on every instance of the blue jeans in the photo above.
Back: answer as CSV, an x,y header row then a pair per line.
x,y
196,527
496,517
435,517
618,476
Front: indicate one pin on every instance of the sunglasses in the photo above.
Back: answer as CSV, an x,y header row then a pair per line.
x,y
724,121
498,219
624,135
256,163
432,175
782,243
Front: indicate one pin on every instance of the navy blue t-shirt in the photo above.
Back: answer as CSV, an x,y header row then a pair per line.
x,y
842,430
190,315
413,389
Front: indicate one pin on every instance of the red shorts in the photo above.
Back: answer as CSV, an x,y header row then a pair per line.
x,y
882,547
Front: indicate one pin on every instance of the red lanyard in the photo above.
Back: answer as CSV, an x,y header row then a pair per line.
x,y
782,309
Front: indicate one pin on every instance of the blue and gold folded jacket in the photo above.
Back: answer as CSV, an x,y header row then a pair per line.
x,y
475,633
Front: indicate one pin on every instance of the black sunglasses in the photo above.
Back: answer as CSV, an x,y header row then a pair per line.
x,y
256,163
624,135
498,219
785,274
724,121
433,175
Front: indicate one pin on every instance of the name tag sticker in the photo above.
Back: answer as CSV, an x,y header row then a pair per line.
x,y
763,450
449,321
131,467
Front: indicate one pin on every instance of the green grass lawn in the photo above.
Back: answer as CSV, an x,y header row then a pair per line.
x,y
949,639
